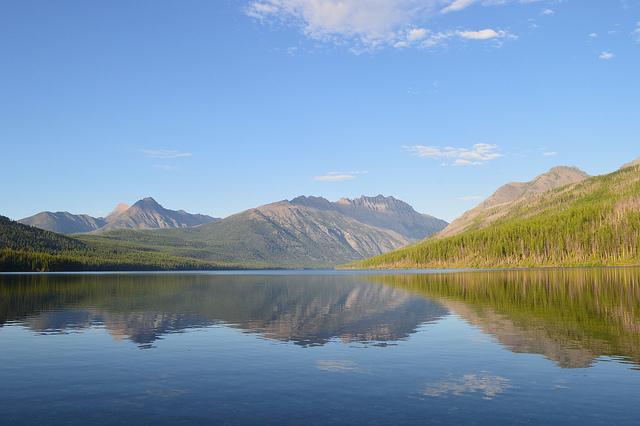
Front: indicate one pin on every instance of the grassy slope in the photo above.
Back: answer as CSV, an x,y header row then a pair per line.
x,y
595,222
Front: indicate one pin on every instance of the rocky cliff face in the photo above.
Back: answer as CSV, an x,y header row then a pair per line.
x,y
383,212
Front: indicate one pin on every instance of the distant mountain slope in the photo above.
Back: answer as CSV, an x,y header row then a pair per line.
x,y
593,222
304,232
498,205
383,212
64,222
148,214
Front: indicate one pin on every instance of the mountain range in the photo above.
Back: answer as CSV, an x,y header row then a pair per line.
x,y
144,214
297,233
561,218
303,232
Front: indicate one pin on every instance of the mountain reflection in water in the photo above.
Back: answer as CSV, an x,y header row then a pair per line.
x,y
572,317
142,308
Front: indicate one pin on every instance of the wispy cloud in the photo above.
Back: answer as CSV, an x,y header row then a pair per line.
x,y
165,154
457,5
548,12
368,25
339,176
550,153
636,33
333,178
593,35
605,56
479,154
430,39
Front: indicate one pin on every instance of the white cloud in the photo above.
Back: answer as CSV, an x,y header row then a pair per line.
x,y
479,154
367,22
417,34
165,154
457,5
593,35
367,25
636,33
339,176
486,34
550,153
548,12
605,56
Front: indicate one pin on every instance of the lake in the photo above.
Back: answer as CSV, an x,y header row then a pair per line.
x,y
485,348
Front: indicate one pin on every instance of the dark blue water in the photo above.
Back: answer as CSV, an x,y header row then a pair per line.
x,y
540,347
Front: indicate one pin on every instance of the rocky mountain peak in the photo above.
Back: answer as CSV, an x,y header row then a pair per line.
x,y
147,202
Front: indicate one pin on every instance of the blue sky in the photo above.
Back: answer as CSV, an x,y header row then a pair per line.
x,y
220,106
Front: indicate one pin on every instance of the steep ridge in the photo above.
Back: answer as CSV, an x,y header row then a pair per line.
x,y
148,214
498,204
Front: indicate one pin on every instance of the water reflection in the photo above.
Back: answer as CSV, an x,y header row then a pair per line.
x,y
453,357
571,316
487,385
143,308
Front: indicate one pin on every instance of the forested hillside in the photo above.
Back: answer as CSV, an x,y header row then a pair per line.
x,y
25,248
594,222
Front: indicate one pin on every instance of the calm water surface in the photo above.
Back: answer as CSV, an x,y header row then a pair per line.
x,y
525,347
